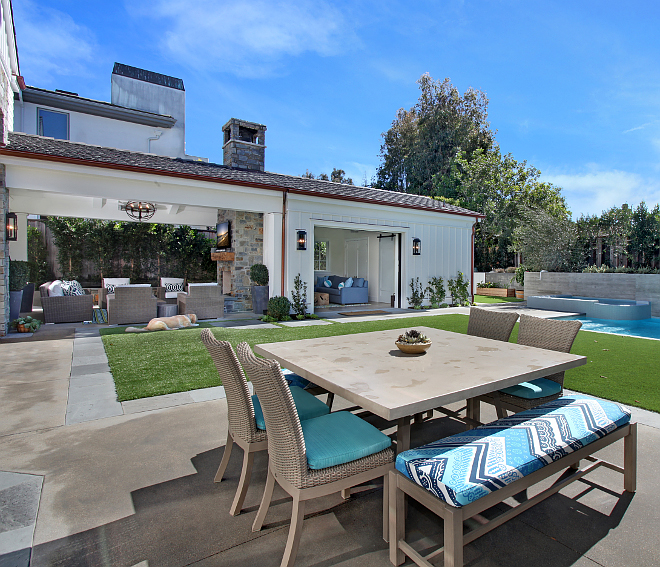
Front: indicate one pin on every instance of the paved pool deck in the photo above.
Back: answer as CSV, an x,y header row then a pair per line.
x,y
86,480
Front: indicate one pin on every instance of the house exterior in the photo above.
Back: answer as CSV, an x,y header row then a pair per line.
x,y
71,156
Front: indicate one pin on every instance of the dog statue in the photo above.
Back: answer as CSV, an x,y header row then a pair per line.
x,y
167,323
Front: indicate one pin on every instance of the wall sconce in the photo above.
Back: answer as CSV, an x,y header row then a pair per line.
x,y
417,247
12,227
301,240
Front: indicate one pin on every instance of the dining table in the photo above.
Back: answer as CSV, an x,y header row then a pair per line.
x,y
370,371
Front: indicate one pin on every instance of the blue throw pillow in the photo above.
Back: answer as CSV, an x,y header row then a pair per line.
x,y
320,280
348,282
358,282
327,283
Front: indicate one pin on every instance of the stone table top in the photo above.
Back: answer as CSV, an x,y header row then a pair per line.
x,y
368,369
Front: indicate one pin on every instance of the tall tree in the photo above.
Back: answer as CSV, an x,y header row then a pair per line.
x,y
503,189
337,176
423,140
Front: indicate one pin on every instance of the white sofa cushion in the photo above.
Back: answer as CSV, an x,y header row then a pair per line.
x,y
55,289
110,283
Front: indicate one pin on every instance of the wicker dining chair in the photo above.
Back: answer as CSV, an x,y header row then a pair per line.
x,y
491,324
541,333
243,428
316,457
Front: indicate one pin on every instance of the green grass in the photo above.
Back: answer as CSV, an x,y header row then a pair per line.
x,y
619,368
489,299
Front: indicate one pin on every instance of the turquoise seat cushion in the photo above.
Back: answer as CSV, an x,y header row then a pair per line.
x,y
467,466
539,388
339,438
308,406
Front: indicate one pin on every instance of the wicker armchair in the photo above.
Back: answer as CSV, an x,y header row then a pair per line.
x,y
103,292
131,305
205,301
292,449
539,333
169,296
490,324
66,309
243,428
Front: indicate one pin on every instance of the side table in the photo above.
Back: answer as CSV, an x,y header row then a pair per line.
x,y
321,298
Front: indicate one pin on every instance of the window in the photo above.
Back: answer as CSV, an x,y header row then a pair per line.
x,y
321,256
52,124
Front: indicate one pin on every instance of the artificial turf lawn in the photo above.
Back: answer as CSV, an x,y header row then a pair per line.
x,y
488,299
623,369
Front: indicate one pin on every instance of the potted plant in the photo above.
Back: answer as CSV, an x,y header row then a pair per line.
x,y
26,324
259,275
18,276
520,279
413,342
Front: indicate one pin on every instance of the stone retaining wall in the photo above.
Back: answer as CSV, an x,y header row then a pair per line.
x,y
640,287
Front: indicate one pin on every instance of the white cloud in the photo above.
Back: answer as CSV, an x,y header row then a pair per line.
x,y
51,43
249,38
596,190
637,128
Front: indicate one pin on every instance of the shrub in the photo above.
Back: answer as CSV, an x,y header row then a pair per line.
x,y
259,274
436,291
279,307
520,274
459,289
299,297
417,292
499,270
19,272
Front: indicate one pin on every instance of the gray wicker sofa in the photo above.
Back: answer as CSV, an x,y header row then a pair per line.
x,y
65,308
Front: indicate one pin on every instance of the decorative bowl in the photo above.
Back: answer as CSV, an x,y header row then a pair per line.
x,y
414,348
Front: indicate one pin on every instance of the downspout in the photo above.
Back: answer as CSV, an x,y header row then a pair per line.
x,y
153,139
472,262
284,195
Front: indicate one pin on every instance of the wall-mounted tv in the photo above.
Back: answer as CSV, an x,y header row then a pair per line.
x,y
223,235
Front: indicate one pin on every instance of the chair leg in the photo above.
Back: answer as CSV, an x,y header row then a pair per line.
x,y
293,541
397,521
243,484
225,458
630,460
330,400
386,506
265,502
453,553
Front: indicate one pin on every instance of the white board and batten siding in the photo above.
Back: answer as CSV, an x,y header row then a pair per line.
x,y
446,240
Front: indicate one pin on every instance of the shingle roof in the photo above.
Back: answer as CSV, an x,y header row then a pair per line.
x,y
30,146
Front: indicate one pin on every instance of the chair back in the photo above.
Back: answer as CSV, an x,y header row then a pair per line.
x,y
286,444
204,291
133,293
239,402
548,334
490,324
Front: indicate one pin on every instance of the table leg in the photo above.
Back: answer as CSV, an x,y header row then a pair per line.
x,y
403,434
473,410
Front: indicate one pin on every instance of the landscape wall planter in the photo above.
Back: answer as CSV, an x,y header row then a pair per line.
x,y
496,291
260,299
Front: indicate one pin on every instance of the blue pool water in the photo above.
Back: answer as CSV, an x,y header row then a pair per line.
x,y
647,328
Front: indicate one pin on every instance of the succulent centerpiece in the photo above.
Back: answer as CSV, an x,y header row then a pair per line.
x,y
413,342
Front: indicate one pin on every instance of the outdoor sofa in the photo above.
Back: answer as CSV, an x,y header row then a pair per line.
x,y
358,292
65,308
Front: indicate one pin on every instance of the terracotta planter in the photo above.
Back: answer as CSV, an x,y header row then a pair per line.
x,y
21,329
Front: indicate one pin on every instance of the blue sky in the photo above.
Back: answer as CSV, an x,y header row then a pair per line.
x,y
574,87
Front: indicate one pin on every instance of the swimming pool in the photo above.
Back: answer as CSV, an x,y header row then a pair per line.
x,y
646,328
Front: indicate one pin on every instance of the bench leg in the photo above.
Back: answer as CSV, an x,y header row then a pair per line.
x,y
630,460
397,520
454,539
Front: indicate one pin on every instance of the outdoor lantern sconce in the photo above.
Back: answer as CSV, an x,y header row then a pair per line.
x,y
301,240
12,227
417,247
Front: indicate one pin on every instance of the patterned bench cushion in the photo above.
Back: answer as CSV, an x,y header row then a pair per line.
x,y
467,466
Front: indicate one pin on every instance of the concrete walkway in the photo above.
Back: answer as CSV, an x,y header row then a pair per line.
x,y
90,481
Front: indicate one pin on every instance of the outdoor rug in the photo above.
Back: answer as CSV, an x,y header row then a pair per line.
x,y
100,316
356,313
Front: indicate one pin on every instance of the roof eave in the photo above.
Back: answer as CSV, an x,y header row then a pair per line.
x,y
6,150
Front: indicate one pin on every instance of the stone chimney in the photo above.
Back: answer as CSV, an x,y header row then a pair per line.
x,y
244,144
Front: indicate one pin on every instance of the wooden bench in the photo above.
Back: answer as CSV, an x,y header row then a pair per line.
x,y
456,477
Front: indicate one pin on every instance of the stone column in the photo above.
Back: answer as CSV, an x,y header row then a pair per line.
x,y
4,256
